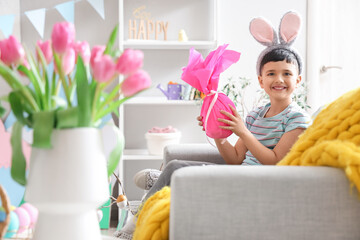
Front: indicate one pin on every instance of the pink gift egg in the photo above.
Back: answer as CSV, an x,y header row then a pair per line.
x,y
33,213
24,219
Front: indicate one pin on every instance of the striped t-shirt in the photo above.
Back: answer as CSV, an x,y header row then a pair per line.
x,y
269,130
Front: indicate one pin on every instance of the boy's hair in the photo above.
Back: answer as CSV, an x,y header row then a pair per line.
x,y
280,54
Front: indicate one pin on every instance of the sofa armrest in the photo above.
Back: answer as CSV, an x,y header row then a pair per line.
x,y
263,202
192,152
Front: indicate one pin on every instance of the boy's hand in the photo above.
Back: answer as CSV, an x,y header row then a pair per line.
x,y
199,118
235,124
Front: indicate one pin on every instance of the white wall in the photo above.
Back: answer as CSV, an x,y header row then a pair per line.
x,y
233,28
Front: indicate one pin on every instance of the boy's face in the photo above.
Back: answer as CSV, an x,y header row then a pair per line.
x,y
279,80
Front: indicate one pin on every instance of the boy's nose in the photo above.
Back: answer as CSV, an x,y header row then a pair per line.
x,y
279,79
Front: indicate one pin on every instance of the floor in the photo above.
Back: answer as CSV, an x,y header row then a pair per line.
x,y
108,234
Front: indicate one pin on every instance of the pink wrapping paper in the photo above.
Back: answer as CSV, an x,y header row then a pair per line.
x,y
204,76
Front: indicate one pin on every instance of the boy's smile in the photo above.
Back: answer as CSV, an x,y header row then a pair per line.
x,y
279,80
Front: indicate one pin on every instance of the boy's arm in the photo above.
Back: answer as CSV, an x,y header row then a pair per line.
x,y
265,155
231,154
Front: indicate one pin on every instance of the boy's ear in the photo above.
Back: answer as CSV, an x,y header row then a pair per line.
x,y
260,81
298,80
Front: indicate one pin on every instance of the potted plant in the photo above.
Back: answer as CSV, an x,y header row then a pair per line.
x,y
68,173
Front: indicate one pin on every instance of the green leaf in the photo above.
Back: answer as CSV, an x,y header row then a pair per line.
x,y
17,107
2,110
112,107
44,123
18,165
37,80
38,92
92,90
111,41
67,118
63,80
10,77
116,153
83,94
45,79
13,81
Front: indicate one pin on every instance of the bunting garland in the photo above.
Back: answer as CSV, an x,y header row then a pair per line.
x,y
37,16
66,10
98,5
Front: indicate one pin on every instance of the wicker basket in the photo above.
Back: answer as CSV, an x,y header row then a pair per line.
x,y
6,204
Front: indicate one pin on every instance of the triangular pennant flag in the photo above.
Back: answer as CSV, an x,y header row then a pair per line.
x,y
37,18
98,5
7,24
66,10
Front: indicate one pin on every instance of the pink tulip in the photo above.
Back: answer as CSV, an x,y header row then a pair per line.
x,y
26,63
83,49
130,61
68,61
46,50
63,36
103,68
136,82
96,52
12,51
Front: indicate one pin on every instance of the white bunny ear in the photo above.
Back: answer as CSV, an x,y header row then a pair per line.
x,y
289,28
263,32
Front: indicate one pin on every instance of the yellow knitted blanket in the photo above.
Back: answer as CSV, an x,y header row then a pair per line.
x,y
153,219
333,139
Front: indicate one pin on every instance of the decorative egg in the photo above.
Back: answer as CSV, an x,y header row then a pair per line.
x,y
121,201
33,213
24,219
13,225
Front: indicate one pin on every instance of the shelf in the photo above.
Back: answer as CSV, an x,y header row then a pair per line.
x,y
139,154
159,101
159,44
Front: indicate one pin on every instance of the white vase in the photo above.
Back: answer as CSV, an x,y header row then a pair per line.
x,y
67,184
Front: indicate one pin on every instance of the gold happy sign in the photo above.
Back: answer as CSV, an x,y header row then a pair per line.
x,y
142,27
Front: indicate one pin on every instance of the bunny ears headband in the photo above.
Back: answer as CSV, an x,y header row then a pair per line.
x,y
265,34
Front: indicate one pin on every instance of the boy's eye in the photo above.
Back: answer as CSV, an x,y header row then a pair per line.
x,y
270,74
288,74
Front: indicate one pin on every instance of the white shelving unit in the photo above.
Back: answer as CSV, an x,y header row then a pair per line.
x,y
157,44
163,60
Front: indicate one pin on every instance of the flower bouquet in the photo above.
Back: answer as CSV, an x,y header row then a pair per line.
x,y
79,73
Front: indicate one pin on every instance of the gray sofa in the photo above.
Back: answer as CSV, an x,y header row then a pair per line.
x,y
258,202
